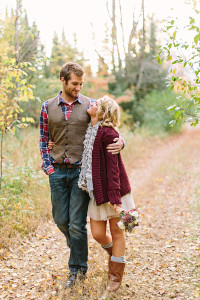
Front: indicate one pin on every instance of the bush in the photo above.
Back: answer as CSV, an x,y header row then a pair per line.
x,y
154,113
24,197
45,89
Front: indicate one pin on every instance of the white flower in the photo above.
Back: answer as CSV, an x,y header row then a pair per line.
x,y
121,225
134,214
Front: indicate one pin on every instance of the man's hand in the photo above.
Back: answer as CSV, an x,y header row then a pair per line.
x,y
116,147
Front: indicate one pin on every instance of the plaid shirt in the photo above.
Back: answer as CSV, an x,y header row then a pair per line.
x,y
44,132
67,109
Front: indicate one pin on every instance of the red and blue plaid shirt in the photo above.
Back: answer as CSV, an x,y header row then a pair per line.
x,y
44,132
67,109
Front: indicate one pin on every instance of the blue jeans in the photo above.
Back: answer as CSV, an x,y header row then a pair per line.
x,y
69,208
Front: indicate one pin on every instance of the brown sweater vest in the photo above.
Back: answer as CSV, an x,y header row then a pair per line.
x,y
69,135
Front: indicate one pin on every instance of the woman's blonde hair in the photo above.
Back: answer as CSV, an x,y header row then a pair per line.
x,y
108,112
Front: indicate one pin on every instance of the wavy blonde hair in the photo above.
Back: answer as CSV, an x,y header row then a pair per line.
x,y
108,112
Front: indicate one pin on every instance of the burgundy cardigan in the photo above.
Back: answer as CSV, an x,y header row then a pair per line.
x,y
110,180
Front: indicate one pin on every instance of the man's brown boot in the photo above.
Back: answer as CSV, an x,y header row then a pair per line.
x,y
115,273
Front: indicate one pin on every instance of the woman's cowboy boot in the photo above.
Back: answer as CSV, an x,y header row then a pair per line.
x,y
109,251
116,271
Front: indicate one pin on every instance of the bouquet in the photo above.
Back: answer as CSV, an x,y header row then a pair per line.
x,y
128,219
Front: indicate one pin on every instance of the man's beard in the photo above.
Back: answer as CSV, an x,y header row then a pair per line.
x,y
71,94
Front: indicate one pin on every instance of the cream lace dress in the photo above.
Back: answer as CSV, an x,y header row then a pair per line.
x,y
101,212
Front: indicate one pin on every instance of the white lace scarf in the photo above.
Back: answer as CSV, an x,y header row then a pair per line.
x,y
85,178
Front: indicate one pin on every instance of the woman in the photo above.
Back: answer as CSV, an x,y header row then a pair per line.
x,y
103,175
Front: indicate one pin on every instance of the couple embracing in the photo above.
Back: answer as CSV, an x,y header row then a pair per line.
x,y
80,147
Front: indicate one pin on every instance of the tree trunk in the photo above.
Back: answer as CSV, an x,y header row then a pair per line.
x,y
122,27
113,35
115,46
130,45
1,159
143,30
17,46
139,82
17,31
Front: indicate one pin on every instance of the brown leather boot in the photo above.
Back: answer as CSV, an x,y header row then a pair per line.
x,y
109,250
116,271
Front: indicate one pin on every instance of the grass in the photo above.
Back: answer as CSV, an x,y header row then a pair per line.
x,y
24,198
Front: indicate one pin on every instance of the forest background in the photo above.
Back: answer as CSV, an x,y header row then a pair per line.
x,y
152,69
156,85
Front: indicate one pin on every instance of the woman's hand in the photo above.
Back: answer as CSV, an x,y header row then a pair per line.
x,y
116,147
116,207
50,144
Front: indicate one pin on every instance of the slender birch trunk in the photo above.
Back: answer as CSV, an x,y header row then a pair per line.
x,y
1,159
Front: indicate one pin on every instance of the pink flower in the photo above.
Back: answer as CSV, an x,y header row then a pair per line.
x,y
128,219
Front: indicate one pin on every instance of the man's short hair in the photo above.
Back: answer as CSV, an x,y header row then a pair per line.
x,y
69,68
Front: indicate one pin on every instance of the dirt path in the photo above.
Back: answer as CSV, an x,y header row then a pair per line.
x,y
163,254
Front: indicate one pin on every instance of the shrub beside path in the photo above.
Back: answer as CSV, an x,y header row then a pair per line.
x,y
163,253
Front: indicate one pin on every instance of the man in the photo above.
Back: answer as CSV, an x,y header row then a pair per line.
x,y
64,120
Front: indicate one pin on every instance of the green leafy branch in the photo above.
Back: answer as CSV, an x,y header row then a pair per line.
x,y
184,71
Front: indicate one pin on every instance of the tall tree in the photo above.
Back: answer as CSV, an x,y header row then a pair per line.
x,y
139,68
153,48
63,51
115,46
15,85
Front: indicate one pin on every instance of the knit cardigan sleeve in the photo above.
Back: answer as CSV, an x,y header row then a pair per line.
x,y
112,166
